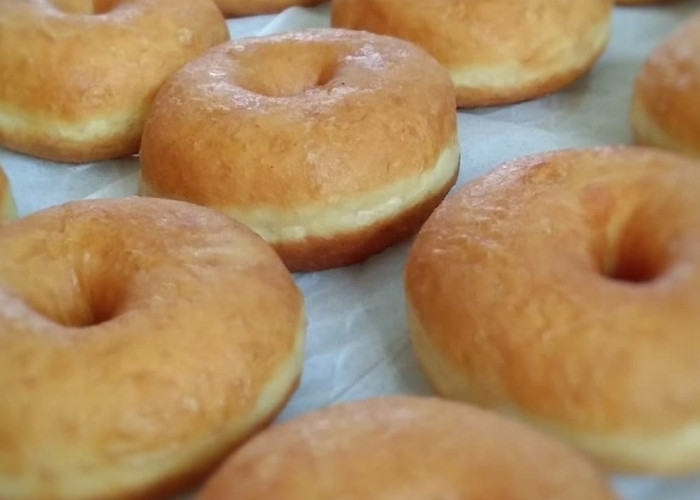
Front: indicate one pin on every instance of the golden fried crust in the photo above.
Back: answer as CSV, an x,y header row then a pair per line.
x,y
497,51
665,110
563,287
408,448
315,253
248,7
346,120
141,340
65,97
7,204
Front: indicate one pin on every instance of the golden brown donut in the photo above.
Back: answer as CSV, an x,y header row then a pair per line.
x,y
78,76
340,147
140,340
665,109
407,448
497,51
564,288
248,7
7,204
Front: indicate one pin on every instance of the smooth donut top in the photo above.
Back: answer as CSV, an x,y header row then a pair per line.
x,y
317,116
246,7
568,284
480,33
408,448
130,327
78,59
669,84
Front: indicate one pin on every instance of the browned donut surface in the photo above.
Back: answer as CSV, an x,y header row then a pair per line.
x,y
7,205
565,288
665,108
331,144
140,340
78,76
404,447
497,51
248,7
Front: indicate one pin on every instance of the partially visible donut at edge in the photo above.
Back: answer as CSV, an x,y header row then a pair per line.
x,y
7,204
665,110
564,288
141,340
330,144
497,51
250,7
408,448
78,76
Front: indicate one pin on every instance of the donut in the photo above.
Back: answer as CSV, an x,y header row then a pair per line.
x,y
140,341
564,288
249,7
330,144
404,447
78,76
7,205
497,51
665,110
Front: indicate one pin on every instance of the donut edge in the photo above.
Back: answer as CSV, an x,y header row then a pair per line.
x,y
317,253
649,132
673,453
533,87
207,454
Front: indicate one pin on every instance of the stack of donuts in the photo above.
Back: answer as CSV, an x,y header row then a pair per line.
x,y
148,342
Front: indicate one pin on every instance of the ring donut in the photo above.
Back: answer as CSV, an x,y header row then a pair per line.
x,y
497,51
140,341
565,288
665,108
7,205
404,447
249,7
341,147
65,97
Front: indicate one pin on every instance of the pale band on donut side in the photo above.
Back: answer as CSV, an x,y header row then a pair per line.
x,y
64,97
141,341
290,230
250,7
407,448
7,204
497,51
341,147
665,109
563,288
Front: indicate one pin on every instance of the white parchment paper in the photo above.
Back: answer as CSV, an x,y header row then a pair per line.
x,y
357,339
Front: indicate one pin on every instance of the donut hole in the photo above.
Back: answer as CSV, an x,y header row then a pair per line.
x,y
285,76
640,255
90,7
86,296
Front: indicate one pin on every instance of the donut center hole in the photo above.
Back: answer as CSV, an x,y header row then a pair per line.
x,y
88,296
286,73
90,7
634,268
640,255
